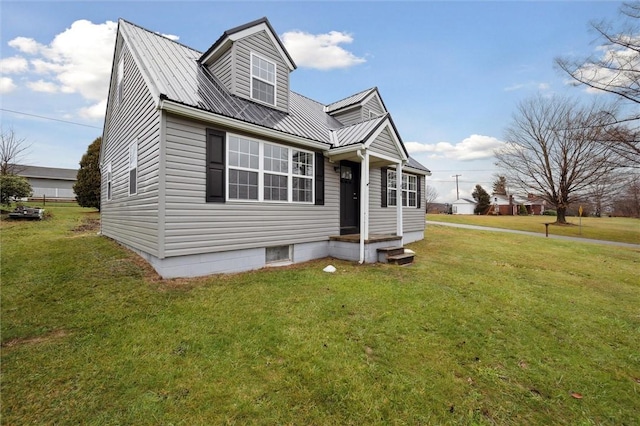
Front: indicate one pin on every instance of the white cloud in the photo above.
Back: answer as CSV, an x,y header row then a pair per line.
x,y
13,65
320,51
78,60
475,147
170,36
6,85
26,45
43,86
94,111
531,85
621,67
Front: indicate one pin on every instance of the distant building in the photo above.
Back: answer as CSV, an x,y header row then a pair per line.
x,y
463,206
49,182
510,204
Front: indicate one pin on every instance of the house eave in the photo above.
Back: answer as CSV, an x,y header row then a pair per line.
x,y
239,125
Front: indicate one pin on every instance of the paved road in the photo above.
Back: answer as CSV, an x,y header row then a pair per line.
x,y
535,234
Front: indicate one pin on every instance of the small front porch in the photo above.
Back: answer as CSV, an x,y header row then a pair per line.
x,y
348,247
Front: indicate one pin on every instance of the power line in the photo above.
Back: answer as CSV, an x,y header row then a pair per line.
x,y
50,118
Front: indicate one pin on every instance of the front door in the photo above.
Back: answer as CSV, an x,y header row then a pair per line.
x,y
349,198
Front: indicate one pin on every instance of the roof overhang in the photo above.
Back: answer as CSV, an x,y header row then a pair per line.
x,y
238,125
230,36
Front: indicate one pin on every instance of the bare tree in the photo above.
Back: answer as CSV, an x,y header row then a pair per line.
x,y
627,203
615,69
13,150
430,195
553,148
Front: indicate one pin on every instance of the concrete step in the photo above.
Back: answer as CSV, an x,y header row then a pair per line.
x,y
401,259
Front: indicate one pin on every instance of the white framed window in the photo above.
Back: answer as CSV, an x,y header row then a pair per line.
x,y
133,168
108,172
119,79
409,189
263,79
263,171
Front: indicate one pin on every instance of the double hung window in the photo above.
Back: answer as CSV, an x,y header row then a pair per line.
x,y
133,168
409,189
109,182
263,80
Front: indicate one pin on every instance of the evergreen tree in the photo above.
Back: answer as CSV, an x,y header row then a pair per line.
x,y
12,186
500,185
87,186
483,200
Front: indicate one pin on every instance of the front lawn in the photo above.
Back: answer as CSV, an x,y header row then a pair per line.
x,y
485,328
620,229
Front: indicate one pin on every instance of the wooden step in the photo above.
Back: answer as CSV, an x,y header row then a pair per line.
x,y
391,251
394,255
401,259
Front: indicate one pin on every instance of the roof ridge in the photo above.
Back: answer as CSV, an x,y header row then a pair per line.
x,y
306,97
157,34
353,95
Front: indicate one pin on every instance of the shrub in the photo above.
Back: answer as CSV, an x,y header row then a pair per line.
x,y
550,213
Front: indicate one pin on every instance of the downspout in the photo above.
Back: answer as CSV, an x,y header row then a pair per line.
x,y
399,224
364,201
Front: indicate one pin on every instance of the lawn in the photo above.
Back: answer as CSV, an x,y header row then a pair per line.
x,y
620,229
484,328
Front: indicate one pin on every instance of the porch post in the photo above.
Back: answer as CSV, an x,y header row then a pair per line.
x,y
364,201
399,200
365,192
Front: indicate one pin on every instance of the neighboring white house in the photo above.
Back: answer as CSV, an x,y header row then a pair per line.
x,y
210,163
463,206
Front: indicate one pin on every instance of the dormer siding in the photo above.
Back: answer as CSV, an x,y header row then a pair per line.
x,y
223,69
233,69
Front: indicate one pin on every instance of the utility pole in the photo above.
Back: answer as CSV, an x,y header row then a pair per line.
x,y
457,191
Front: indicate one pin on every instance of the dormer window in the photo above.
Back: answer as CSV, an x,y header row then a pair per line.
x,y
263,80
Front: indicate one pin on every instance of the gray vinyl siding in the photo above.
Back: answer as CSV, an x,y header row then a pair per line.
x,y
349,117
384,144
359,113
223,69
194,226
383,219
374,105
131,220
260,44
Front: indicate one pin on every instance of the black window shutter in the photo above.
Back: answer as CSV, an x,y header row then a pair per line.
x,y
216,184
419,194
319,177
383,185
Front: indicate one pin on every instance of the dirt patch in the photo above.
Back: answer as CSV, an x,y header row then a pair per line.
x,y
88,225
54,335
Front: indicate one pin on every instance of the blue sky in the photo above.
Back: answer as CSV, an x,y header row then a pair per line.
x,y
450,73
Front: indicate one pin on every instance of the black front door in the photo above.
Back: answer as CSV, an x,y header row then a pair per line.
x,y
349,198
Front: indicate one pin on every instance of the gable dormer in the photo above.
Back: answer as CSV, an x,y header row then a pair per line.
x,y
357,108
252,63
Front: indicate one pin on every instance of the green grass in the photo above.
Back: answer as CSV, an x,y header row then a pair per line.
x,y
485,328
620,229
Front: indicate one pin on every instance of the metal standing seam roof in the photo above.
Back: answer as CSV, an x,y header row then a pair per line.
x,y
358,132
46,172
350,100
175,74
